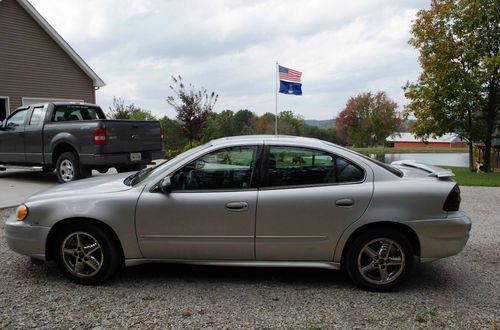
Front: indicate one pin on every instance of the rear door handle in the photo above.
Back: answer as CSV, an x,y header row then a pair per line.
x,y
237,206
344,202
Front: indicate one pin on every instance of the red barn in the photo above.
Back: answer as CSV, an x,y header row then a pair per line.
x,y
409,140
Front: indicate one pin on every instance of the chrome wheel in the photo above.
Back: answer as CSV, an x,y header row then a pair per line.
x,y
381,261
66,170
81,254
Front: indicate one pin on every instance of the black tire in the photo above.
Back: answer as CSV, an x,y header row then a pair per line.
x,y
108,255
370,241
48,169
130,168
66,161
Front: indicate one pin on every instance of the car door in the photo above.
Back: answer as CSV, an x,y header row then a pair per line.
x,y
12,138
208,214
307,199
33,136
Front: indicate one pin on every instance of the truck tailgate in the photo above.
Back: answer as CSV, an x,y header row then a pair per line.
x,y
132,136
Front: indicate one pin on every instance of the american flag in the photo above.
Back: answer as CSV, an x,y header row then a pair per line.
x,y
289,74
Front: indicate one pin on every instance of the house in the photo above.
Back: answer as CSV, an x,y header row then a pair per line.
x,y
410,140
36,64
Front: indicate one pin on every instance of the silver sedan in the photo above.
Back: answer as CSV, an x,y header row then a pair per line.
x,y
276,201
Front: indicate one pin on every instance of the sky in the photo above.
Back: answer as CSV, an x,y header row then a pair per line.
x,y
343,48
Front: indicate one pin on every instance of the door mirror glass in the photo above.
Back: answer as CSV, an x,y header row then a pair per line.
x,y
166,185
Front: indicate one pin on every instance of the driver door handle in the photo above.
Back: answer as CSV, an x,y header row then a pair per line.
x,y
237,206
344,202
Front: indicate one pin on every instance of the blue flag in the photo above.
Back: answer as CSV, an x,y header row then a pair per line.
x,y
291,88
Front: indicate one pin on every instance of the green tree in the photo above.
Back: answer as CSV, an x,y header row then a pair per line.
x,y
173,140
368,119
120,110
458,88
193,107
244,122
141,114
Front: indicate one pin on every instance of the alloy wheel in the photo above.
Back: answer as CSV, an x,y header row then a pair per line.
x,y
381,261
66,170
82,254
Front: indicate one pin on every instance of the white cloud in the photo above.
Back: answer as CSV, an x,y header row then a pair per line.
x,y
342,47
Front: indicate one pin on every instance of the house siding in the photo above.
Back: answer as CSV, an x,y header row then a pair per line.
x,y
33,65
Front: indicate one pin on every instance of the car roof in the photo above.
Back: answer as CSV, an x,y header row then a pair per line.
x,y
64,103
268,139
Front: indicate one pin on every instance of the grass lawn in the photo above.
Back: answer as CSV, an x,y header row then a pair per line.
x,y
382,150
464,177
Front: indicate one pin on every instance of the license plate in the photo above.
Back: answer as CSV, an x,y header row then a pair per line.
x,y
135,157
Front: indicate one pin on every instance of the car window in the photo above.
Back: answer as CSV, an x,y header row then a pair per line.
x,y
76,113
228,168
36,116
294,166
17,119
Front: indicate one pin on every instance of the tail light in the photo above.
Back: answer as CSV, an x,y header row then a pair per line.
x,y
162,135
453,200
99,136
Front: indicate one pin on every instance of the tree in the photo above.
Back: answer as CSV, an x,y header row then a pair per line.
x,y
142,114
368,119
458,88
193,107
173,138
119,110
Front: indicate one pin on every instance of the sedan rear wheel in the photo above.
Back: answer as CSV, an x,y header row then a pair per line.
x,y
379,260
86,254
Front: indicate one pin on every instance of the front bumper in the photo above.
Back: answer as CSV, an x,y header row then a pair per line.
x,y
440,238
26,239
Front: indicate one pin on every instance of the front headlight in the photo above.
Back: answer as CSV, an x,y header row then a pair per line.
x,y
22,212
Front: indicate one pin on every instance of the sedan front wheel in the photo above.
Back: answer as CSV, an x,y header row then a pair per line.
x,y
86,254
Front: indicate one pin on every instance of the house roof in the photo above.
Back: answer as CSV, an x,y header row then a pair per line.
x,y
410,137
98,82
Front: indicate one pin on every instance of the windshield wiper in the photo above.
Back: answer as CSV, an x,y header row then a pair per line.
x,y
132,179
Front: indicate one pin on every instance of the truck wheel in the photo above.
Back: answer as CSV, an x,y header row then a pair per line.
x,y
68,167
48,169
130,168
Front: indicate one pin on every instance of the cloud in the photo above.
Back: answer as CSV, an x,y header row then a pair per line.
x,y
230,47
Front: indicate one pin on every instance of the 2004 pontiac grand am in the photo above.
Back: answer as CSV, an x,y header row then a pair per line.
x,y
250,201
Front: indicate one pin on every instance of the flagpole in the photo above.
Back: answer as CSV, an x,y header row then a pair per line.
x,y
276,103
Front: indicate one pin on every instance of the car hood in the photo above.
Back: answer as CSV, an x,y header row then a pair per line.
x,y
97,185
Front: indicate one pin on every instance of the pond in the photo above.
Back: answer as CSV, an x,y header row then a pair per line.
x,y
451,159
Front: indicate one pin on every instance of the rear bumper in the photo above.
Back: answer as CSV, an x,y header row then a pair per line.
x,y
26,239
440,238
120,159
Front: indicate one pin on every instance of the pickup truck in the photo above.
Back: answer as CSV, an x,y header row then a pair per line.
x,y
74,138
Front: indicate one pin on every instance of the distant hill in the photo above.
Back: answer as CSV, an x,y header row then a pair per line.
x,y
321,123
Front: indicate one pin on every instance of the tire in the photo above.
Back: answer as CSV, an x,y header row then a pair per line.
x,y
382,270
68,167
92,261
48,169
130,168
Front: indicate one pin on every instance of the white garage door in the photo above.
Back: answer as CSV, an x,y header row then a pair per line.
x,y
32,100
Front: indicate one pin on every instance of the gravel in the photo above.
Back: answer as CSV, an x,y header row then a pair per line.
x,y
458,292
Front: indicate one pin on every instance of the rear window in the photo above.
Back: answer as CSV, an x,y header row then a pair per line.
x,y
76,113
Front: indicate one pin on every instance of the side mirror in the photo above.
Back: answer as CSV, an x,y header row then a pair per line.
x,y
166,185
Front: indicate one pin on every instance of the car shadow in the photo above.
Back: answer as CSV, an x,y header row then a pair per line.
x,y
235,275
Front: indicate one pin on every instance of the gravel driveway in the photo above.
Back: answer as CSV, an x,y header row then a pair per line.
x,y
462,291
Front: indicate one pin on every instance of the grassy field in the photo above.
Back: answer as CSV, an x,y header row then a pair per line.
x,y
382,150
464,177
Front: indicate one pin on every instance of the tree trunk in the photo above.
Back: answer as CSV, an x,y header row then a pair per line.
x,y
471,155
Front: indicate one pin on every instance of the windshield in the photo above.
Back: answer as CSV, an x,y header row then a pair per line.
x,y
385,166
152,171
